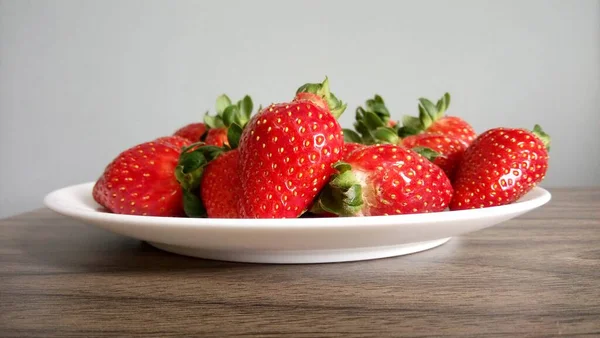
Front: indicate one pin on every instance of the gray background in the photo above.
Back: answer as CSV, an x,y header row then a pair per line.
x,y
82,80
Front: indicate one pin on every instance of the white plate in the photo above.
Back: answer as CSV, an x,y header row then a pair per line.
x,y
302,240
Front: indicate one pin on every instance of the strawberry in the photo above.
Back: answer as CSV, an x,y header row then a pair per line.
x,y
220,186
349,147
227,114
174,140
207,171
500,166
209,179
431,120
193,131
387,179
374,127
217,137
141,181
450,150
286,153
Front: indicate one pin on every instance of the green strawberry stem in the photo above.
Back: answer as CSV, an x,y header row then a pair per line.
x,y
372,123
342,196
428,114
336,106
229,113
537,131
191,163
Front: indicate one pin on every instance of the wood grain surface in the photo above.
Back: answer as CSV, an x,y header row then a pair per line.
x,y
537,275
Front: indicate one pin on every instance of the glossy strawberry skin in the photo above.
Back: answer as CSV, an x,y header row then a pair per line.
x,y
176,141
141,180
451,150
498,168
349,147
286,153
397,180
220,187
453,126
193,131
217,137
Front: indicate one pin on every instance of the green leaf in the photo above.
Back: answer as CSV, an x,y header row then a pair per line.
x,y
336,106
373,121
191,161
228,115
380,108
428,153
428,113
408,131
210,152
234,133
351,136
360,113
364,131
442,105
191,164
377,106
193,206
246,107
429,108
223,102
189,169
188,172
539,132
425,118
387,135
375,115
212,121
412,122
310,88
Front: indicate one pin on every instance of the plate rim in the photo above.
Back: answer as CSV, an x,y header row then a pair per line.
x,y
56,202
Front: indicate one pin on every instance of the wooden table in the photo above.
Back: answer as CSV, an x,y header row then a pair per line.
x,y
538,275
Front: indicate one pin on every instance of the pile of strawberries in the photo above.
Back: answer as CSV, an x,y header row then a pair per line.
x,y
293,159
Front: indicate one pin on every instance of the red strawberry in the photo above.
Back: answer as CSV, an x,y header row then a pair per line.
x,y
220,186
431,120
286,153
217,137
453,126
349,147
192,131
500,166
207,171
176,141
141,181
375,127
383,180
450,149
